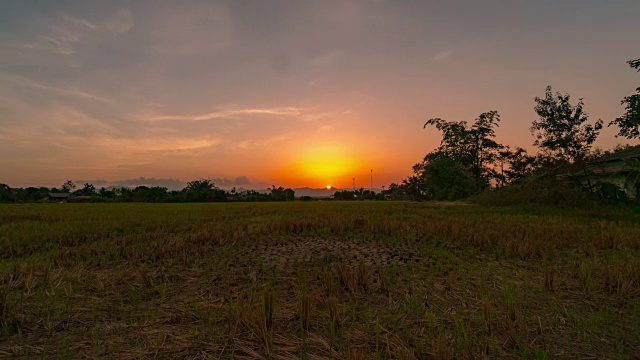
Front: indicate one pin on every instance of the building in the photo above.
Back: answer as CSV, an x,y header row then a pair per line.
x,y
621,168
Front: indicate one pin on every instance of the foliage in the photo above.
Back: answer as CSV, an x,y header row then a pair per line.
x,y
359,194
538,190
68,186
519,165
202,190
473,147
440,177
87,190
629,123
282,194
561,132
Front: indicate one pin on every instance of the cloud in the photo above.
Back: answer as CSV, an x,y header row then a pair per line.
x,y
64,34
30,83
242,180
442,55
284,111
157,144
77,21
120,23
227,183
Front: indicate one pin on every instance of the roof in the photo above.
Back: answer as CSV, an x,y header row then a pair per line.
x,y
630,153
616,162
59,195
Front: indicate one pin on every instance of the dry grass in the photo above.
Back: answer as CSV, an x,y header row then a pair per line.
x,y
317,280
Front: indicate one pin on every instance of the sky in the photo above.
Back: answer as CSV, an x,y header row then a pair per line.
x,y
292,93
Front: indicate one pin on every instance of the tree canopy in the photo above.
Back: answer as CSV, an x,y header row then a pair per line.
x,y
629,123
473,147
562,131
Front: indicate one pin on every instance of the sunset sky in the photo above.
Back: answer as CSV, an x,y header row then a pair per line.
x,y
291,93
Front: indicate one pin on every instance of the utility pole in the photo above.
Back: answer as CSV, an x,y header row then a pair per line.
x,y
354,184
371,187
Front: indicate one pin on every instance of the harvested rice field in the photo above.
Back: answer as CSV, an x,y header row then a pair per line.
x,y
318,280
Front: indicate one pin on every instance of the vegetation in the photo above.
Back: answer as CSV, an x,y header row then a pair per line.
x,y
196,191
469,161
629,123
296,280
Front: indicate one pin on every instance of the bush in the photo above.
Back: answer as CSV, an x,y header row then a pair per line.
x,y
446,179
561,195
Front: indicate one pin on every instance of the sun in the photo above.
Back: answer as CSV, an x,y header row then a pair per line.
x,y
328,187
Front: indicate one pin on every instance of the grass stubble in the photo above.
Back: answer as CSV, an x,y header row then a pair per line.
x,y
389,280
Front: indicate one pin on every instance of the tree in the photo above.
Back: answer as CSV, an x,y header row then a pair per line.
x,y
68,186
5,193
88,189
562,131
629,123
203,190
473,147
439,177
282,194
519,164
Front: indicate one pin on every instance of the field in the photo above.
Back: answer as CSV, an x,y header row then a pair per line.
x,y
312,280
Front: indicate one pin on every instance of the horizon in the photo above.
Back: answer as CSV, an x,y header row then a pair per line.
x,y
284,93
178,185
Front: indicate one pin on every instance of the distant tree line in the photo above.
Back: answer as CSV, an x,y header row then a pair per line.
x,y
203,190
359,194
469,161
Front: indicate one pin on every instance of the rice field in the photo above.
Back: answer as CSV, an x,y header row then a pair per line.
x,y
318,280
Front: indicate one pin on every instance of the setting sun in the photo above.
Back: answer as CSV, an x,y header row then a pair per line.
x,y
330,163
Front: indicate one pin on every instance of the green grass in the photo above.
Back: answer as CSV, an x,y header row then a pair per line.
x,y
343,280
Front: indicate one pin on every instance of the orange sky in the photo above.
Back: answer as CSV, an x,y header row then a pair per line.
x,y
288,93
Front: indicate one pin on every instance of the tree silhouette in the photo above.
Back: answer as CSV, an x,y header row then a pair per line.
x,y
88,189
629,123
68,186
561,130
473,147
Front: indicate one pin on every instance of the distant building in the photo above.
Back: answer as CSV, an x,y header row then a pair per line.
x,y
618,168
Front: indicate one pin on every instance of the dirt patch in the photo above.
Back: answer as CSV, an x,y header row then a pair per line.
x,y
284,254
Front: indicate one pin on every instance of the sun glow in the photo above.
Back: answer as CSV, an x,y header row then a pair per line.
x,y
326,163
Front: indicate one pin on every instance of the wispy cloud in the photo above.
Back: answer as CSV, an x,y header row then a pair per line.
x,y
158,144
33,84
442,55
77,21
64,33
284,111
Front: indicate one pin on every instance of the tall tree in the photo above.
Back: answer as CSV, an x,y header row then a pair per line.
x,y
629,123
562,131
472,146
